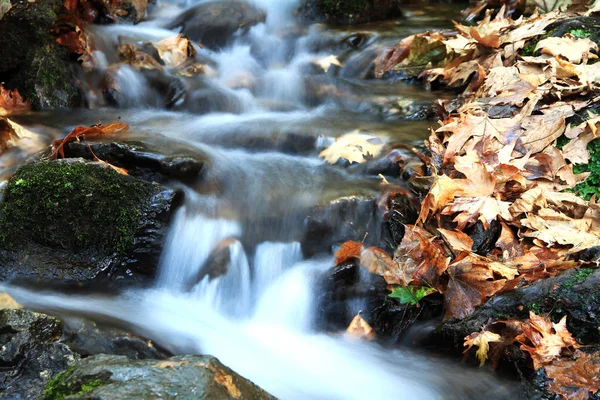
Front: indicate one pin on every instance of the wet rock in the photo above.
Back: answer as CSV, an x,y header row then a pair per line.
x,y
187,377
126,10
141,161
37,347
351,11
88,338
32,61
73,221
213,23
31,353
484,239
575,293
346,218
160,90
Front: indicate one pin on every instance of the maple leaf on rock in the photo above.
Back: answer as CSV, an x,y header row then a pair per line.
x,y
348,251
570,48
420,260
545,340
482,340
575,379
359,328
471,281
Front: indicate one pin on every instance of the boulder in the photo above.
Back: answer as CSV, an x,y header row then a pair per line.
x,y
31,353
32,61
37,347
72,221
213,23
119,378
349,11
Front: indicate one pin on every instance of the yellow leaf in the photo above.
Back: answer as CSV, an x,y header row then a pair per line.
x,y
359,328
482,340
354,147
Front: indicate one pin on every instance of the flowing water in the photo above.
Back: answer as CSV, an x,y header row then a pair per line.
x,y
261,91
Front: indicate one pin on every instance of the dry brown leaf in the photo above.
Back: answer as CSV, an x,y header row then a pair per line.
x,y
457,240
482,340
359,328
7,302
175,50
570,48
441,193
544,340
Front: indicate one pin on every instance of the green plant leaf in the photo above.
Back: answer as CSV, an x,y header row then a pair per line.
x,y
411,295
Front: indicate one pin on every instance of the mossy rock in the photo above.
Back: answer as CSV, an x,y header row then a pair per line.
x,y
82,217
350,11
32,61
184,377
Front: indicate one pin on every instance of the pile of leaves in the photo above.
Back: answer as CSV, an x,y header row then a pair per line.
x,y
495,162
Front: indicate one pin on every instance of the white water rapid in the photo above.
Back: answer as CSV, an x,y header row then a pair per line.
x,y
233,281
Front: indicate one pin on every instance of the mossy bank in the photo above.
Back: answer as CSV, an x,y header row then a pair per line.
x,y
83,216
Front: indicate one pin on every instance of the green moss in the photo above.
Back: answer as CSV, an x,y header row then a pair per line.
x,y
59,387
344,7
591,186
72,205
580,33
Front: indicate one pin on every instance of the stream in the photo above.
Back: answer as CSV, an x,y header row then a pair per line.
x,y
245,119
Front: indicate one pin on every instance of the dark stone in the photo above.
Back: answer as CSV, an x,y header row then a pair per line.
x,y
346,218
32,61
80,222
141,161
575,293
37,347
105,377
213,24
31,353
88,338
350,11
484,239
114,10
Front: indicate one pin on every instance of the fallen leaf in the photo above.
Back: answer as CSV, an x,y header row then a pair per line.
x,y
354,147
326,62
82,132
7,302
348,251
420,260
410,294
457,240
359,328
570,48
575,379
545,340
482,340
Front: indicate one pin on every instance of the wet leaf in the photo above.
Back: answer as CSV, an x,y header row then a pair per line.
x,y
575,379
359,328
354,147
570,48
410,294
348,251
175,50
482,340
471,281
82,132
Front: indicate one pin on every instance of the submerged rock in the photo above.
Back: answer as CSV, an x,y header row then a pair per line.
x,y
32,61
73,221
350,11
213,23
118,378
